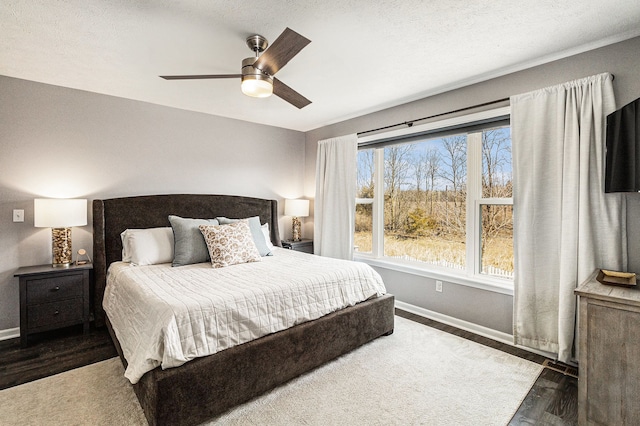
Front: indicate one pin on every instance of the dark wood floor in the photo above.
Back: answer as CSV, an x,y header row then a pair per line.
x,y
551,401
51,353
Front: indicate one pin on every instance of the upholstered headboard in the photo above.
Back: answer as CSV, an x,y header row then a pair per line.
x,y
112,216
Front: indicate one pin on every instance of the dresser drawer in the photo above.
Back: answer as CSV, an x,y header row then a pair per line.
x,y
54,313
48,289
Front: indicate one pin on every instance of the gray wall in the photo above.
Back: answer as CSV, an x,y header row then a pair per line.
x,y
58,142
485,308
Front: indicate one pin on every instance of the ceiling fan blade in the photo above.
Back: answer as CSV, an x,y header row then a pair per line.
x,y
286,46
288,94
197,77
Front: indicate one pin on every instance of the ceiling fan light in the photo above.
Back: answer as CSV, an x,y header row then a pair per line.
x,y
256,87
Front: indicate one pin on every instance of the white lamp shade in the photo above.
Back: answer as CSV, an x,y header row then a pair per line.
x,y
297,208
59,213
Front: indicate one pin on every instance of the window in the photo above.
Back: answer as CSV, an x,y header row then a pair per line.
x,y
363,238
495,204
439,198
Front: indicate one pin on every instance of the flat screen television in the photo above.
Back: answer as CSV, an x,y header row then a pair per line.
x,y
622,173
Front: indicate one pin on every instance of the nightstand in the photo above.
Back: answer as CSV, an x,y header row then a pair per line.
x,y
304,245
52,298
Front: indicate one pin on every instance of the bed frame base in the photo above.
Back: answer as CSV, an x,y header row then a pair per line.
x,y
207,387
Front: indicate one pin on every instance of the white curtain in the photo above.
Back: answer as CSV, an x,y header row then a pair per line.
x,y
565,226
334,205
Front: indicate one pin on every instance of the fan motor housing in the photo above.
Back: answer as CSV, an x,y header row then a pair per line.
x,y
249,70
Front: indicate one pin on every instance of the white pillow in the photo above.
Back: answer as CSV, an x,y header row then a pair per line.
x,y
147,246
267,235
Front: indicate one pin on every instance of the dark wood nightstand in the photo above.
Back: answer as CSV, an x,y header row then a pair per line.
x,y
53,298
304,245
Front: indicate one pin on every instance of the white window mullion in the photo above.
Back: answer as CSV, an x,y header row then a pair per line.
x,y
474,193
497,201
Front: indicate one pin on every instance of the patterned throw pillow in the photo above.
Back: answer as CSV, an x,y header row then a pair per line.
x,y
230,244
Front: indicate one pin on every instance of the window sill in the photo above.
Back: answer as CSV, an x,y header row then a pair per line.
x,y
496,285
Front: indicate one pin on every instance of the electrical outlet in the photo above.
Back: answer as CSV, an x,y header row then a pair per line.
x,y
439,286
18,215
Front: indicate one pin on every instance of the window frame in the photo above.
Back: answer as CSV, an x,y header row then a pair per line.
x,y
471,275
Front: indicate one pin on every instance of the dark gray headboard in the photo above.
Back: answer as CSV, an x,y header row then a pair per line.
x,y
112,216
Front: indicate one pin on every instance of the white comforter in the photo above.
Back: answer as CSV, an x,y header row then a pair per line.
x,y
167,316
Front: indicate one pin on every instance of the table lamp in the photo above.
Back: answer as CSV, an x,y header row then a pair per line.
x,y
297,209
60,215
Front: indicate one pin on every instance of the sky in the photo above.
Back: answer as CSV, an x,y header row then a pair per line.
x,y
417,151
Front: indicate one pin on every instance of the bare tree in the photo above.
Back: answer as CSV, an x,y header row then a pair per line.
x,y
431,160
366,169
496,155
397,165
454,173
419,171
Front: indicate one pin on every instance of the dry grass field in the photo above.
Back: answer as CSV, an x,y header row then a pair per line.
x,y
440,251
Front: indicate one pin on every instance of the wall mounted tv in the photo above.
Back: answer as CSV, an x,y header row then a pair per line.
x,y
622,173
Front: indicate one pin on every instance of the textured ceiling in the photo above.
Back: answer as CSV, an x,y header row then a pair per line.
x,y
364,56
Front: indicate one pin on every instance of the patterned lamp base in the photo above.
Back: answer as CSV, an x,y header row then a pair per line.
x,y
296,229
61,247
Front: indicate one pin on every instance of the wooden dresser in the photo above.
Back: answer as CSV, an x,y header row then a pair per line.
x,y
609,345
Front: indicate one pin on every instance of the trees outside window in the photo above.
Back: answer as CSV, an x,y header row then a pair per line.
x,y
447,201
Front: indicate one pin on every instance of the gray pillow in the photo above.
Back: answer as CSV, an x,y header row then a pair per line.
x,y
189,245
256,233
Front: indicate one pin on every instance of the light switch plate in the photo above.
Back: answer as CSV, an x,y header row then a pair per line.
x,y
18,215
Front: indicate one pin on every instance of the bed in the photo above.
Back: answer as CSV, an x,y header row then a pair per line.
x,y
208,386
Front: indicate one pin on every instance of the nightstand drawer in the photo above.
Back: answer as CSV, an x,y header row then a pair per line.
x,y
304,246
53,313
41,290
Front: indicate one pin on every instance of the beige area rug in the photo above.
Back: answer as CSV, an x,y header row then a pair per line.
x,y
418,375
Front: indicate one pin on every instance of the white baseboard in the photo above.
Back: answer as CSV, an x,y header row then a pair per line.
x,y
468,326
10,333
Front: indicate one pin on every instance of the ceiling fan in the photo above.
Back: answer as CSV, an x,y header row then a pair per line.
x,y
258,72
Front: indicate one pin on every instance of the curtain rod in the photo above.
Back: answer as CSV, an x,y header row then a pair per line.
x,y
410,123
